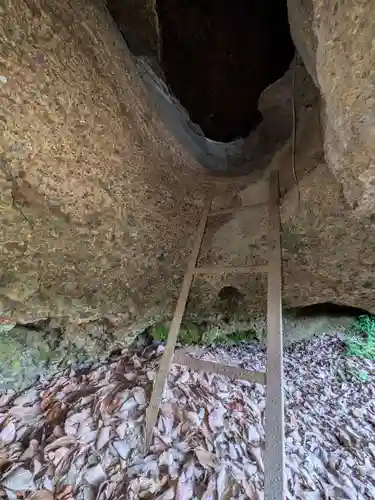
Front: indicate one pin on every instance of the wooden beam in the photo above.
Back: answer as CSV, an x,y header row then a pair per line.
x,y
166,360
226,211
230,269
274,466
219,368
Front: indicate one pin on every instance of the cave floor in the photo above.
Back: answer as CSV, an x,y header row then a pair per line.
x,y
78,434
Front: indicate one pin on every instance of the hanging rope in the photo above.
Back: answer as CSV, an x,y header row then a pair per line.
x,y
294,129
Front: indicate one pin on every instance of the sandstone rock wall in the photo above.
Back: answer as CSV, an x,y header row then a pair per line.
x,y
98,203
138,22
328,249
336,42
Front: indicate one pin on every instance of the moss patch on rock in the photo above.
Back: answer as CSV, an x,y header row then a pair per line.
x,y
38,350
25,354
29,352
192,333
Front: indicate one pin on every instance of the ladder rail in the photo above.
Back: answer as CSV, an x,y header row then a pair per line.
x,y
274,475
274,467
167,358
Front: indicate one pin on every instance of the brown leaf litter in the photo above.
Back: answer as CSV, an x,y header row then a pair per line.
x,y
79,435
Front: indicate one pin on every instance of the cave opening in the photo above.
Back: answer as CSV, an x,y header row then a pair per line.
x,y
218,58
327,309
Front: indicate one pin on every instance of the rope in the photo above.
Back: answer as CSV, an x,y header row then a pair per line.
x,y
294,129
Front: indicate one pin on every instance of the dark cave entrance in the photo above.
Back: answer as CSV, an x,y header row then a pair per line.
x,y
219,57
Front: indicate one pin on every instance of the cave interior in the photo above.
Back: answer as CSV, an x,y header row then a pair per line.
x,y
219,60
216,58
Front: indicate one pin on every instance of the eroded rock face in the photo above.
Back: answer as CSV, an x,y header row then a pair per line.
x,y
98,203
328,250
139,24
336,42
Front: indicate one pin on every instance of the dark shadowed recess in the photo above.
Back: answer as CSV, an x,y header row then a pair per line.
x,y
219,56
327,309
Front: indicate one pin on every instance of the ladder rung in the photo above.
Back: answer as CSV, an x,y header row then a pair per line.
x,y
224,211
219,368
230,269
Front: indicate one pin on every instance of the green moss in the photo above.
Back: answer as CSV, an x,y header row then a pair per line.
x,y
16,364
360,339
238,336
195,334
8,347
190,334
360,342
159,332
27,353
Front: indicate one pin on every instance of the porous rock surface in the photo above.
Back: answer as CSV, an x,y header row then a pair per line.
x,y
336,42
99,203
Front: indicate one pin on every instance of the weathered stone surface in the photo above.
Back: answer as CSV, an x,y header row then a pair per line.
x,y
98,205
328,251
300,15
275,104
29,353
139,23
26,354
336,42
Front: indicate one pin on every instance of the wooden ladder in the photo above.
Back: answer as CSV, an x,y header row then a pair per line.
x,y
274,477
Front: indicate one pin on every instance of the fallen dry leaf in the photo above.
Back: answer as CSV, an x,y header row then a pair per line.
x,y
60,442
209,438
205,458
8,434
41,495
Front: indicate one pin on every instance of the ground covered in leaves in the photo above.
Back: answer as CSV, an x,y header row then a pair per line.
x,y
79,435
